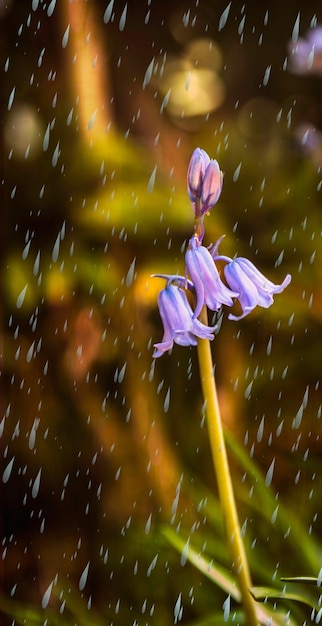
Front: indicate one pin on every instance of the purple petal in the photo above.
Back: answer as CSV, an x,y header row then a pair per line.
x,y
211,186
196,171
209,288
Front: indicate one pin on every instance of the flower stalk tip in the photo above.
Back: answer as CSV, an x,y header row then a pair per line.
x,y
204,182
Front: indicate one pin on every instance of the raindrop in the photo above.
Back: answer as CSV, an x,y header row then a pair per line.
x,y
30,352
130,274
21,297
7,471
152,565
55,155
123,18
45,142
83,578
92,121
65,37
237,172
32,436
296,28
34,5
121,373
226,607
166,401
36,264
185,552
224,17
55,252
269,346
51,8
178,609
69,116
11,98
260,430
46,596
148,524
298,418
267,75
152,180
165,101
108,12
248,390
269,474
274,515
26,249
148,74
35,487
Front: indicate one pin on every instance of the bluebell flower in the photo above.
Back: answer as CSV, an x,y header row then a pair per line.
x,y
177,317
204,181
253,288
306,53
209,288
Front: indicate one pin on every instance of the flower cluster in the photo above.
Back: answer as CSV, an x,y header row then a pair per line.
x,y
243,281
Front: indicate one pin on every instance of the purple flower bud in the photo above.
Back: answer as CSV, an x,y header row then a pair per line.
x,y
196,171
179,324
204,181
210,290
253,288
211,186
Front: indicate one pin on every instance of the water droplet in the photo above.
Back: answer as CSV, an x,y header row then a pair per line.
x,y
26,250
260,430
223,18
185,551
123,18
55,253
51,8
152,180
237,172
7,471
166,401
165,101
148,74
267,75
21,297
92,121
130,274
32,436
45,142
36,264
30,352
108,12
148,524
177,612
36,484
296,28
298,418
226,607
56,155
152,565
121,373
65,37
269,473
11,98
83,577
248,390
46,596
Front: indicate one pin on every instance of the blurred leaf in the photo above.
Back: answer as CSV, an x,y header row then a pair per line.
x,y
262,594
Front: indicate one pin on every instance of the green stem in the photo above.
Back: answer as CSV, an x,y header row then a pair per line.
x,y
225,488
